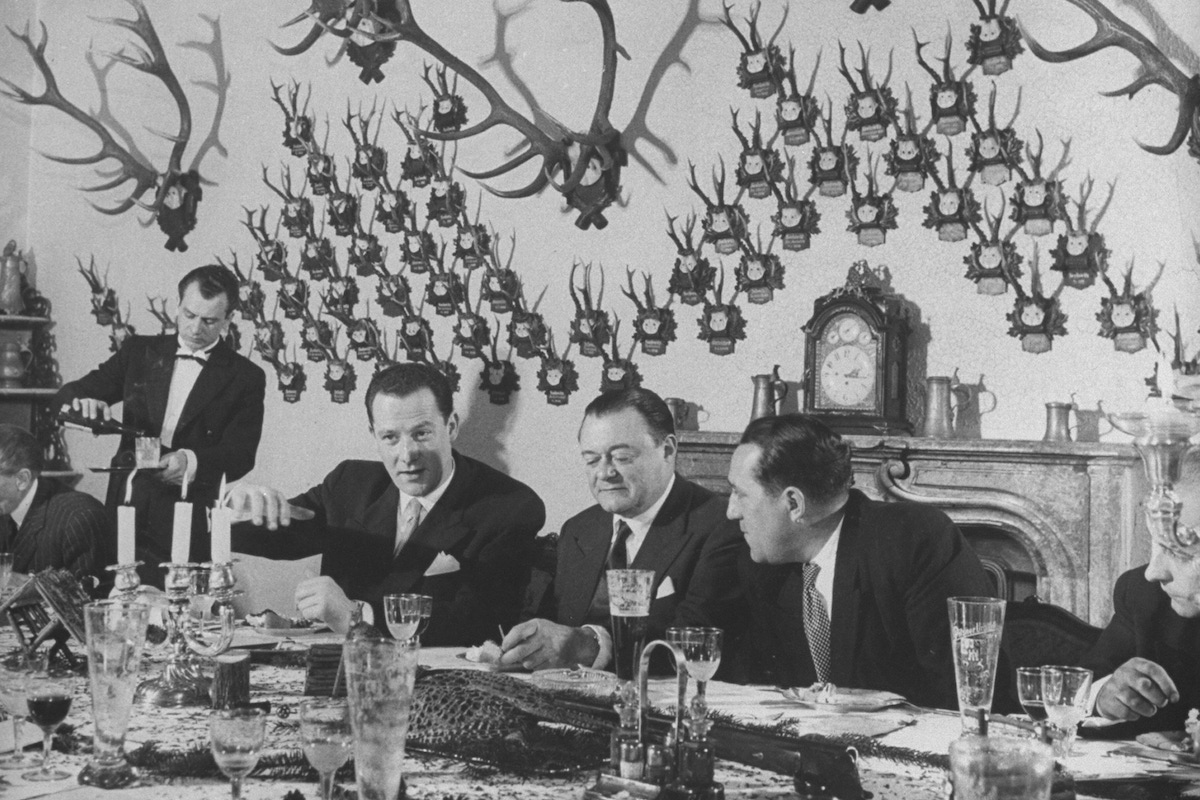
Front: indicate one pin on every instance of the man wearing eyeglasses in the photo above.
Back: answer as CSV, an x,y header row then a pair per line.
x,y
203,400
1145,660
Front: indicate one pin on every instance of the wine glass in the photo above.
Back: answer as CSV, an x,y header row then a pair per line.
x,y
1029,692
407,614
237,736
702,650
48,699
14,677
325,734
1065,691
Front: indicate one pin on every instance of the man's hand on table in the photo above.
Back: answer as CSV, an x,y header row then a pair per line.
x,y
323,600
263,505
542,644
1138,688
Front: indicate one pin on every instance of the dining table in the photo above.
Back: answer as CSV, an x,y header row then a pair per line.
x,y
903,727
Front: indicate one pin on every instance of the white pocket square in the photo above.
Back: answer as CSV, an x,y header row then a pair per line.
x,y
665,589
444,564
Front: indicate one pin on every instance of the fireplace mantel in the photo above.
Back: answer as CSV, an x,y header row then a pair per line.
x,y
1074,507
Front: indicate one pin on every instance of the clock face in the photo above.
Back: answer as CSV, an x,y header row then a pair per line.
x,y
847,358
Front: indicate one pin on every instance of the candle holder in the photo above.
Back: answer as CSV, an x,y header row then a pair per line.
x,y
126,580
1162,436
199,623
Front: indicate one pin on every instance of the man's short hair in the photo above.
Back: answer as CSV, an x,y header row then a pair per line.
x,y
649,406
401,380
18,451
212,280
800,451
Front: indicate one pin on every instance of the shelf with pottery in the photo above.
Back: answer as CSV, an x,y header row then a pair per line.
x,y
22,321
25,391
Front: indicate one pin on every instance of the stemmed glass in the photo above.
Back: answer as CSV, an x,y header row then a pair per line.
x,y
237,736
325,734
14,677
1065,692
1029,692
407,614
702,650
49,700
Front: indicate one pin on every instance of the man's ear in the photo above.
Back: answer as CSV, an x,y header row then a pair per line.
x,y
670,445
452,425
24,479
796,503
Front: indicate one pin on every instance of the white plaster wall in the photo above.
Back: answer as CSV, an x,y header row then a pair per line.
x,y
15,136
556,46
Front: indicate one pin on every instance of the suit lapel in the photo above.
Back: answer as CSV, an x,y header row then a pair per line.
x,y
443,527
24,546
847,595
667,534
584,560
158,378
214,377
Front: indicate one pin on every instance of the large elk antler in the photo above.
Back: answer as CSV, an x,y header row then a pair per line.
x,y
1154,68
560,149
153,63
152,60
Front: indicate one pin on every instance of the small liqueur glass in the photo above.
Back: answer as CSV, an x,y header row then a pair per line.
x,y
49,701
237,736
326,738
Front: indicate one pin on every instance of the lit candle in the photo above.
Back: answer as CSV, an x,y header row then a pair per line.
x,y
181,530
222,519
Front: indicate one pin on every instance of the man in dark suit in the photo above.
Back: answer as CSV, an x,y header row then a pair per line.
x,y
1145,661
202,399
646,517
842,588
423,519
45,524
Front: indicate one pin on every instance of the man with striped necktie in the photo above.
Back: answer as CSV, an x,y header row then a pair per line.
x,y
842,589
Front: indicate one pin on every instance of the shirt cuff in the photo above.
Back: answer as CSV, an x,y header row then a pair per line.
x,y
368,614
604,639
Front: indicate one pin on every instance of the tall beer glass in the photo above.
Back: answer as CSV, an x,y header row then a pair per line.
x,y
629,606
380,674
976,625
116,634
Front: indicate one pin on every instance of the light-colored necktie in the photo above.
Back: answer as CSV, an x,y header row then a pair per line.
x,y
816,623
414,512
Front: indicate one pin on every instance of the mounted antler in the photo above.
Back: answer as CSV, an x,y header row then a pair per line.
x,y
589,162
160,313
1154,68
176,190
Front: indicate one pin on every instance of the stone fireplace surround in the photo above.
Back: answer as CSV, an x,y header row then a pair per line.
x,y
1072,509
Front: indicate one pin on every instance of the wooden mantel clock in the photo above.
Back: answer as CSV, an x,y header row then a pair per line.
x,y
856,354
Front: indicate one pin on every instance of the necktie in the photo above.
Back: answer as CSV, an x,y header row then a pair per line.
x,y
619,558
816,623
199,358
8,533
413,513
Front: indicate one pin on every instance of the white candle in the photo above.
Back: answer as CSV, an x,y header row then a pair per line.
x,y
181,536
222,519
125,527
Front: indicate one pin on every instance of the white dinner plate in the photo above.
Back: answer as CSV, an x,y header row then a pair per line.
x,y
843,700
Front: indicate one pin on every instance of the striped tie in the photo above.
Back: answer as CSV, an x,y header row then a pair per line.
x,y
413,512
816,623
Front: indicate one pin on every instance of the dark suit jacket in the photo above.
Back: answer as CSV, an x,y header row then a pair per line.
x,y
63,528
485,520
1145,625
896,565
221,423
691,542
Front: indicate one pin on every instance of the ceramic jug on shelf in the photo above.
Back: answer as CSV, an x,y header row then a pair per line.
x,y
769,392
15,359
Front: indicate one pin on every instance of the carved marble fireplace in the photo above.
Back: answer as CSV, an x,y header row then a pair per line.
x,y
1059,519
